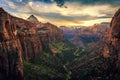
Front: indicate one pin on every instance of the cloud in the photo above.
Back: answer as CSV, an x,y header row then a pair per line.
x,y
76,13
57,16
83,2
94,2
108,15
100,20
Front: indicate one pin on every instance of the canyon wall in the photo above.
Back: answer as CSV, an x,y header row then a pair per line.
x,y
22,40
10,48
111,50
112,39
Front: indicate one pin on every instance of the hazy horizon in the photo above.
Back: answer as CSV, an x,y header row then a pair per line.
x,y
77,12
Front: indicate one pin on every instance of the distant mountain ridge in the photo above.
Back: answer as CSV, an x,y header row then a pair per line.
x,y
83,36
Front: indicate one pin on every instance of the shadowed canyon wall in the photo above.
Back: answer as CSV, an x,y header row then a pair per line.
x,y
112,39
22,40
111,50
10,48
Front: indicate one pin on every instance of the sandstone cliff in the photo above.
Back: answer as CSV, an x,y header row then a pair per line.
x,y
112,39
22,40
10,48
111,50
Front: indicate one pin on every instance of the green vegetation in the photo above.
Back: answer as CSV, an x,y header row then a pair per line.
x,y
62,46
68,63
48,66
45,67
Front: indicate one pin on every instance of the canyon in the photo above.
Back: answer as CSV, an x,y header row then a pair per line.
x,y
22,40
43,50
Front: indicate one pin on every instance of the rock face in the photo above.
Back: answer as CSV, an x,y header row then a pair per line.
x,y
113,37
114,32
29,38
10,48
22,40
111,50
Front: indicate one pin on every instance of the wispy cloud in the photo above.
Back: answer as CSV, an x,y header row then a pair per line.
x,y
76,13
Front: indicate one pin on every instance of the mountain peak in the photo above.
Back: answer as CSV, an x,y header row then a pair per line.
x,y
1,9
32,18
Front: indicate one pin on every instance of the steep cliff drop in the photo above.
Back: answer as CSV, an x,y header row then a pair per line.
x,y
11,66
22,40
113,38
111,50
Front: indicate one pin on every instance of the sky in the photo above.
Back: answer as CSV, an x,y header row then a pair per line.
x,y
72,13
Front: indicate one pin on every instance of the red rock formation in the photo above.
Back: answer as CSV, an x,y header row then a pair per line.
x,y
114,33
47,29
113,36
36,36
30,42
110,63
10,48
111,50
22,40
23,23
